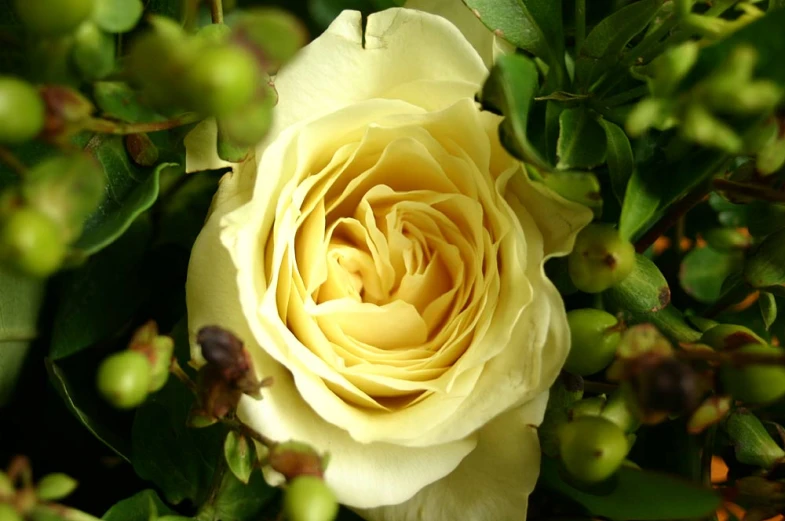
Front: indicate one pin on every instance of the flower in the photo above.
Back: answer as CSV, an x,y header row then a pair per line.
x,y
382,255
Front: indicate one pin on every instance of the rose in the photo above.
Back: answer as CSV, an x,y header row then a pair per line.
x,y
381,256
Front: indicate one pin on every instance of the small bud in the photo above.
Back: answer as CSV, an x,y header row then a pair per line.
x,y
295,458
222,349
765,265
709,413
700,126
240,455
729,336
31,243
9,513
752,444
54,487
124,379
308,498
755,383
21,111
600,259
670,386
66,110
594,336
222,80
53,17
217,396
158,350
592,448
249,125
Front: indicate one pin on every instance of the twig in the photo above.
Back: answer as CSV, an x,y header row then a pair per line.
x,y
217,11
8,157
181,375
758,192
106,126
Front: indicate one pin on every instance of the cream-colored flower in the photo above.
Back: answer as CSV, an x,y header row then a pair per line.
x,y
382,258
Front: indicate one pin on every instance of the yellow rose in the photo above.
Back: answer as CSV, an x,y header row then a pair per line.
x,y
381,255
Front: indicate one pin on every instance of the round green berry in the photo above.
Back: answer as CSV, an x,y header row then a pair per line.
x,y
592,448
53,17
600,259
729,336
124,379
22,111
308,498
221,80
31,242
755,383
594,336
9,513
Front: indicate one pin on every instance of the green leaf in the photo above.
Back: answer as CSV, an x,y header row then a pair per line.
x,y
510,90
21,298
180,461
703,271
117,16
236,501
183,211
752,443
608,39
131,190
240,455
119,101
78,393
93,52
99,298
55,486
768,308
621,163
637,495
581,142
143,506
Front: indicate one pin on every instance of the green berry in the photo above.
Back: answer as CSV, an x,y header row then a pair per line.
x,y
592,448
32,242
124,379
221,80
308,498
601,258
755,383
9,513
594,339
53,17
22,111
729,336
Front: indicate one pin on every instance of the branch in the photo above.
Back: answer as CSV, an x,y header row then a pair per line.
x,y
217,11
758,192
106,126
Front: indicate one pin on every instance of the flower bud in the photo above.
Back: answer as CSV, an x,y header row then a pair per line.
x,y
669,386
54,487
31,242
21,111
67,188
66,110
308,498
295,458
594,336
124,379
223,350
600,259
217,396
159,351
755,383
592,448
729,336
9,513
53,17
221,80
765,265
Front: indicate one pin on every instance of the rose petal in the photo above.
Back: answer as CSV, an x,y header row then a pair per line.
x,y
201,148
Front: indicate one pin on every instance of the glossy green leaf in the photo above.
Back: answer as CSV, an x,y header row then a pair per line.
x,y
21,298
131,190
117,16
143,506
236,501
178,460
101,296
581,142
117,100
510,90
703,271
637,495
768,308
608,39
752,443
93,52
240,455
621,163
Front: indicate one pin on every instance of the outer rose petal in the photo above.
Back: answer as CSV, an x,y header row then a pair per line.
x,y
201,149
493,483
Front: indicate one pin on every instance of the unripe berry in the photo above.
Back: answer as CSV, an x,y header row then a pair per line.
x,y
22,111
308,498
53,17
755,383
594,339
124,379
592,448
9,513
600,259
729,336
221,80
32,242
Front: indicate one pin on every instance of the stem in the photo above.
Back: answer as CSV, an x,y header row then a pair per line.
x,y
580,25
237,425
106,126
733,295
217,11
669,219
624,97
181,375
7,157
758,192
